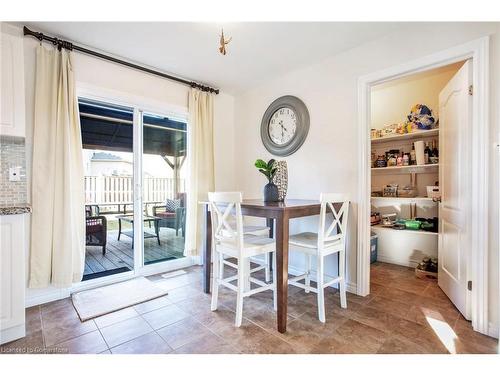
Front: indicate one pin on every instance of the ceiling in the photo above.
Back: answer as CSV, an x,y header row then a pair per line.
x,y
258,52
451,68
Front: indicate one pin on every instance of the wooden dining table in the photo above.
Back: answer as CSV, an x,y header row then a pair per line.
x,y
277,215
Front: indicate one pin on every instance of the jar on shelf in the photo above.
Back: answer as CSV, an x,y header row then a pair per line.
x,y
380,162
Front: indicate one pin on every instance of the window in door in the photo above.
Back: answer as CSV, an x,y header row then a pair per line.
x,y
107,139
164,171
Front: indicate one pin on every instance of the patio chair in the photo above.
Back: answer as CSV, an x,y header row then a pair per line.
x,y
172,219
96,232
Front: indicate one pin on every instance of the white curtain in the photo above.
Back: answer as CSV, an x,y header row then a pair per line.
x,y
201,166
58,219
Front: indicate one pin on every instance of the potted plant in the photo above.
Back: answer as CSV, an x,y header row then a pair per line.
x,y
269,170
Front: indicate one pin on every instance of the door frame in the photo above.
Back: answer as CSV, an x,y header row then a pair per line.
x,y
478,51
140,105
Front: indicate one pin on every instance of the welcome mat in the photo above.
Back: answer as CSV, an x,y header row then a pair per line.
x,y
104,300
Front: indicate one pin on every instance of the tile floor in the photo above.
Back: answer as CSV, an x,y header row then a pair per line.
x,y
401,315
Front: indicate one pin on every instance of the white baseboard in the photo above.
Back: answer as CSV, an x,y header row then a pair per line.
x,y
36,297
406,263
493,330
12,333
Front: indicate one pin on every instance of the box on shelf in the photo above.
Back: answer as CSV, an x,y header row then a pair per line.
x,y
433,192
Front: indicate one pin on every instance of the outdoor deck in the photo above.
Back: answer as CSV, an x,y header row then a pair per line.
x,y
120,253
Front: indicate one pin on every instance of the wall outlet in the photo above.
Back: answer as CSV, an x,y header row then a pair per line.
x,y
15,174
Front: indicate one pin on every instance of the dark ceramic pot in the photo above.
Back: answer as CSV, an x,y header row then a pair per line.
x,y
271,193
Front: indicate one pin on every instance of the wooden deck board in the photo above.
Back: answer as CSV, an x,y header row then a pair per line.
x,y
120,253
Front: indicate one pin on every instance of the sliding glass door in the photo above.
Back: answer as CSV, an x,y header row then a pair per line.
x,y
163,187
107,139
135,178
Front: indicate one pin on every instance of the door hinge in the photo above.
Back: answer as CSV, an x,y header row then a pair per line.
x,y
469,285
471,90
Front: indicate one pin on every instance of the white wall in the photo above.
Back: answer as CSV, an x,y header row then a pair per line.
x,y
92,73
328,160
392,101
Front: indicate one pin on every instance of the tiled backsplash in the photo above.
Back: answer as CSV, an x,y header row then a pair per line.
x,y
12,154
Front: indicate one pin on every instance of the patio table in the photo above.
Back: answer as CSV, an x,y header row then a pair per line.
x,y
130,233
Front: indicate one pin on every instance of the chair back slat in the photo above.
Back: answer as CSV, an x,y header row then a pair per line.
x,y
227,220
338,228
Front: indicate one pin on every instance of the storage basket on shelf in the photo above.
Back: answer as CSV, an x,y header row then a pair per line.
x,y
427,269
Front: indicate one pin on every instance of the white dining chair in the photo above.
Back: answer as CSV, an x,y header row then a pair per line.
x,y
229,240
263,261
328,240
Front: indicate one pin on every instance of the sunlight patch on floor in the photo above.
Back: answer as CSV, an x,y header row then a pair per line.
x,y
444,332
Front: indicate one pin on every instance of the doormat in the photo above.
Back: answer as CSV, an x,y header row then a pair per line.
x,y
96,275
92,303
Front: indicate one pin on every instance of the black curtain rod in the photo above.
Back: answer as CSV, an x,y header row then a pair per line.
x,y
70,46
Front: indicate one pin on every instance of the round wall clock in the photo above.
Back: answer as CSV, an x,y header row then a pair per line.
x,y
285,125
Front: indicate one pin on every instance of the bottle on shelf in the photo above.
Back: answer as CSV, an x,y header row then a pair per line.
x,y
406,159
413,155
427,153
399,160
435,151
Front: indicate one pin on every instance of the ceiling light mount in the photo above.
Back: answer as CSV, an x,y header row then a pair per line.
x,y
223,42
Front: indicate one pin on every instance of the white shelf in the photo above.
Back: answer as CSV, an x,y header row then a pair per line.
x,y
407,137
427,199
408,169
423,232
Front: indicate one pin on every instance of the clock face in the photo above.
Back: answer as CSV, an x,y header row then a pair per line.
x,y
282,126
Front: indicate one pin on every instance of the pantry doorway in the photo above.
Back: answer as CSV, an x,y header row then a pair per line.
x,y
473,148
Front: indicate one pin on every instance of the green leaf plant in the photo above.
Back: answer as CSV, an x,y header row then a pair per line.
x,y
267,169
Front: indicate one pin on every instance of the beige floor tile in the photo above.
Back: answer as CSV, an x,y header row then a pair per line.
x,y
164,316
151,305
150,343
186,292
31,344
395,345
208,344
67,329
270,344
124,331
182,332
89,343
33,319
401,315
358,338
303,335
396,308
375,318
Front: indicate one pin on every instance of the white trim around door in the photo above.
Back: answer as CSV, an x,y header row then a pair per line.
x,y
478,51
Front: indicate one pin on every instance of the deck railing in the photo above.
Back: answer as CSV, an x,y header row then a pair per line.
x,y
119,189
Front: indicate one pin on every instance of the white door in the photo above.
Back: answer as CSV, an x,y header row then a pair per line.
x,y
455,106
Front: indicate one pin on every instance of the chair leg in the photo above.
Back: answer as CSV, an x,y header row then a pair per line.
x,y
221,266
241,288
308,273
321,290
246,264
216,278
275,283
268,268
343,296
